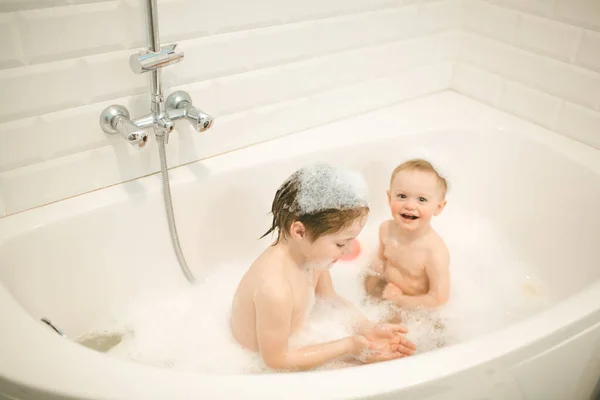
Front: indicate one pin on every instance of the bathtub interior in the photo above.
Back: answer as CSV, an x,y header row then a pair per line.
x,y
541,206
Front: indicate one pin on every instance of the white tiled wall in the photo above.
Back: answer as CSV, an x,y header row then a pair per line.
x,y
538,59
263,68
266,68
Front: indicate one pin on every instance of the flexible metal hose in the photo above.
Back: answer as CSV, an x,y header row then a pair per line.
x,y
169,208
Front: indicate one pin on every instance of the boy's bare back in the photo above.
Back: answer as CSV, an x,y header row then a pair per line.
x,y
271,278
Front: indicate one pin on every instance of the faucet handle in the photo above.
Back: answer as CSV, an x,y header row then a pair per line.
x,y
149,61
115,119
181,100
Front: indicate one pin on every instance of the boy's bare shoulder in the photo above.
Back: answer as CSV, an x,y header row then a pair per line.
x,y
271,284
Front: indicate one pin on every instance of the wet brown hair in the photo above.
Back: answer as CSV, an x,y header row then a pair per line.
x,y
286,211
418,164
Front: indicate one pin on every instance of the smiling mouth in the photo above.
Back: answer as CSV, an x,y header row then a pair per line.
x,y
409,217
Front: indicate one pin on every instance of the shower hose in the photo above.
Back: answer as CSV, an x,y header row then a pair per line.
x,y
169,208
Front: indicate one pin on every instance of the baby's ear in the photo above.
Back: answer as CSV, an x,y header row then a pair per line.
x,y
389,196
440,207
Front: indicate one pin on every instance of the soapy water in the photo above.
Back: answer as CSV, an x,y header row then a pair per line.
x,y
189,329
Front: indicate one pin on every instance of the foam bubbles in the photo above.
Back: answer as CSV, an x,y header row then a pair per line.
x,y
189,330
323,186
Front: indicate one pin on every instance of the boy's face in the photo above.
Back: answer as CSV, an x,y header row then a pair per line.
x,y
326,250
414,198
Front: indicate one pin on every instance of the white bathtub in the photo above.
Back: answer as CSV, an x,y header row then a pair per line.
x,y
73,260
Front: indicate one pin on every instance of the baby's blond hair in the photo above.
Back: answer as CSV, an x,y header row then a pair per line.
x,y
418,164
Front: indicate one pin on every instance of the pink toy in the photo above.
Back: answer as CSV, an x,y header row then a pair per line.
x,y
353,253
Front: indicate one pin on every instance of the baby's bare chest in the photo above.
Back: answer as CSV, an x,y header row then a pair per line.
x,y
410,260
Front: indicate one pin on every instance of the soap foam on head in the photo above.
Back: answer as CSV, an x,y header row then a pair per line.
x,y
324,186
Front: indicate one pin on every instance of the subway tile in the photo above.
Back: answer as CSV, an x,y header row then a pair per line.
x,y
32,90
501,59
539,7
584,13
580,123
11,55
492,21
531,104
261,87
281,119
448,45
204,96
32,140
111,76
572,83
235,15
21,143
232,53
214,56
64,32
478,84
548,37
588,54
229,132
552,76
373,94
249,90
312,76
73,130
18,5
279,44
379,61
177,20
441,15
312,9
336,34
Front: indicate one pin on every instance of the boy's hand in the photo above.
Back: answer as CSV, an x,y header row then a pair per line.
x,y
392,292
371,351
392,335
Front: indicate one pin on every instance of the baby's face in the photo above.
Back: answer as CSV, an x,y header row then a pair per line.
x,y
414,198
327,249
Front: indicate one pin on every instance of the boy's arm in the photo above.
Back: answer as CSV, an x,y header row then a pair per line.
x,y
365,327
274,308
377,266
438,275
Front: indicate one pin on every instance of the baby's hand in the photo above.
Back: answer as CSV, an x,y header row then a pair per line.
x,y
392,292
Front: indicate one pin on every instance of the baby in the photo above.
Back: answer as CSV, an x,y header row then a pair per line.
x,y
411,267
317,212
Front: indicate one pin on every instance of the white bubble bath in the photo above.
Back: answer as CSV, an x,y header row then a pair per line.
x,y
188,329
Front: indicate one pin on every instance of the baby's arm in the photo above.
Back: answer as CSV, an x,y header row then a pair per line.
x,y
437,270
374,277
274,308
